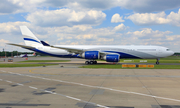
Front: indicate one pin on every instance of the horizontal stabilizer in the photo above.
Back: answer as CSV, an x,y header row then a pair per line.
x,y
23,46
44,43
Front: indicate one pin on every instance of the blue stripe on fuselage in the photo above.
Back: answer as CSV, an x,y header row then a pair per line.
x,y
28,39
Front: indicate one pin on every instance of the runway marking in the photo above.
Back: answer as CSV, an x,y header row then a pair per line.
x,y
121,91
73,98
32,87
10,72
8,81
102,106
11,82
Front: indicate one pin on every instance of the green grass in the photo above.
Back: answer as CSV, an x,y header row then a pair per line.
x,y
119,66
42,61
24,65
170,59
149,61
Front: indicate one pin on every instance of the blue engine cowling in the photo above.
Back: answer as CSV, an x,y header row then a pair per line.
x,y
91,55
112,58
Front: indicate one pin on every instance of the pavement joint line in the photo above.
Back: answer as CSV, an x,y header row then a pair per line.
x,y
135,93
73,98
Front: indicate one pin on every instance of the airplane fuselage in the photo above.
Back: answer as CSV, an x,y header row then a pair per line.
x,y
128,51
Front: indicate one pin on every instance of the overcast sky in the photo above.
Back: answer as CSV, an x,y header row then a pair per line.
x,y
92,22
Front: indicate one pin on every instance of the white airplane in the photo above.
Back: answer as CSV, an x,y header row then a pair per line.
x,y
28,55
110,53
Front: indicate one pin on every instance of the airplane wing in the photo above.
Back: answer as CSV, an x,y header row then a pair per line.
x,y
71,50
23,46
78,50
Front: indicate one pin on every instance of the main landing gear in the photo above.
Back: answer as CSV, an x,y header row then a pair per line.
x,y
90,62
157,62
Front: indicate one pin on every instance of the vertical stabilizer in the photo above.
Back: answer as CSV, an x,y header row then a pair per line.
x,y
29,38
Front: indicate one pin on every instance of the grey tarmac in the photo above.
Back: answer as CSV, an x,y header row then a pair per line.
x,y
72,87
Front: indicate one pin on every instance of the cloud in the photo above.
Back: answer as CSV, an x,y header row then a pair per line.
x,y
56,3
147,33
11,27
120,27
66,17
82,4
97,4
3,42
141,6
20,6
149,18
6,6
116,18
175,18
155,18
147,6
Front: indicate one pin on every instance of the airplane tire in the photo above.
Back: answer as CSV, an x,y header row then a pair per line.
x,y
91,62
157,63
87,62
95,62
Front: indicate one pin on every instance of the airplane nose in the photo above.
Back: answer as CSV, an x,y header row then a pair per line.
x,y
172,52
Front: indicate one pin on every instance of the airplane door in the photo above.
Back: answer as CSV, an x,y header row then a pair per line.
x,y
159,51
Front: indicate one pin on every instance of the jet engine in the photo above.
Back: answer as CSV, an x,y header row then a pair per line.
x,y
111,57
91,55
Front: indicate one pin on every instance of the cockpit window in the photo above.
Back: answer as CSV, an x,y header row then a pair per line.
x,y
167,49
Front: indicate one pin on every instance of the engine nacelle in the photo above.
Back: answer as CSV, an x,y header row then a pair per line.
x,y
111,58
91,55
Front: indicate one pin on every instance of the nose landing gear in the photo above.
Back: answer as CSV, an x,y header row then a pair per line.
x,y
157,62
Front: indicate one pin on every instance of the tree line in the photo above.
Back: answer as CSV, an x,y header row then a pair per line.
x,y
15,53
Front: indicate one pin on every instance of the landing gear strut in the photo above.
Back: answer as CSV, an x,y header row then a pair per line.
x,y
90,62
157,62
